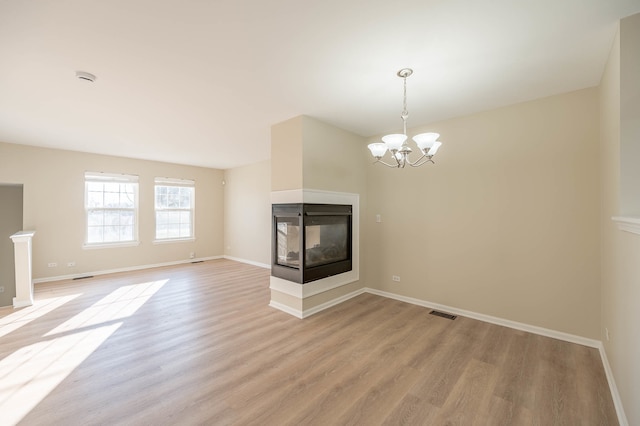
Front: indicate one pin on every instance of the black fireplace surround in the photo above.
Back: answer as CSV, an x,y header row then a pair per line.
x,y
311,241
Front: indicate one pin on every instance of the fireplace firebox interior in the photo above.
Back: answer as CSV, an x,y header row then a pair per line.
x,y
311,241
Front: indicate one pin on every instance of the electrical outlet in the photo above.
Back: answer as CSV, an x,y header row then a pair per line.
x,y
1,289
192,255
52,264
395,278
378,218
606,333
71,264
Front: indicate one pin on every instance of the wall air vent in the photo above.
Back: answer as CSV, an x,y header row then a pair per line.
x,y
443,315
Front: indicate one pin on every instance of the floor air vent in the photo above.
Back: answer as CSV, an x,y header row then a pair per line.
x,y
83,278
443,315
197,261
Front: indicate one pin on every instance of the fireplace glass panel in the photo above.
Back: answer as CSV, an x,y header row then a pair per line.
x,y
326,243
288,236
311,241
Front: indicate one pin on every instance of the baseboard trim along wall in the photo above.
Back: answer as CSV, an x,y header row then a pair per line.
x,y
321,307
127,269
469,314
330,303
617,401
249,262
572,338
286,309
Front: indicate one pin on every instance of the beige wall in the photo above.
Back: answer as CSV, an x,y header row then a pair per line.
x,y
10,223
333,159
247,213
505,223
629,44
620,250
308,153
54,207
286,155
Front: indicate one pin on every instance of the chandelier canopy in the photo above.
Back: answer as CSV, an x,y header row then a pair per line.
x,y
396,145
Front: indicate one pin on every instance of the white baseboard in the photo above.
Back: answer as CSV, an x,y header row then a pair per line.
x,y
493,320
321,307
617,401
127,269
286,309
308,312
249,262
480,317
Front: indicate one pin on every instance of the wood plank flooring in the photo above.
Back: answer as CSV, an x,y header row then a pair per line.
x,y
198,344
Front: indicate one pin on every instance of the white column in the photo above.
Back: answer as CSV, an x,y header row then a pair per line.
x,y
24,283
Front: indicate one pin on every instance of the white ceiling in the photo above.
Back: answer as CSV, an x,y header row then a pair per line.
x,y
201,81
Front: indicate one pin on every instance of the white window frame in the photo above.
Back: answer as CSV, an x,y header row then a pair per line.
x,y
175,183
100,177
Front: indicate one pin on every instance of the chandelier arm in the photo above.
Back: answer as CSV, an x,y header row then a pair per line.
x,y
415,163
395,166
419,163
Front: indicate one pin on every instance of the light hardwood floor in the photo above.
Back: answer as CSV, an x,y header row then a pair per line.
x,y
198,344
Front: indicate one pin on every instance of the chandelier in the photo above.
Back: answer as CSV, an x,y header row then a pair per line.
x,y
396,143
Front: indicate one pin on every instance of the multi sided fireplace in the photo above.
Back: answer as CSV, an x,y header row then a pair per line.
x,y
311,241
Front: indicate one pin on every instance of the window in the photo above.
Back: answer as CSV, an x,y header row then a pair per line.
x,y
111,205
175,201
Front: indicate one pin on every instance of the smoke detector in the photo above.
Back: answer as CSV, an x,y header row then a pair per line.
x,y
86,76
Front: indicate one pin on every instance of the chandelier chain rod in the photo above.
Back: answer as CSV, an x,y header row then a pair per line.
x,y
405,112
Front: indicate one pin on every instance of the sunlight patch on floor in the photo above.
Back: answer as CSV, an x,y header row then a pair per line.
x,y
28,375
121,303
24,316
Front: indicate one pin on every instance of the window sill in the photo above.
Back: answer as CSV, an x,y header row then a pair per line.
x,y
174,240
627,223
110,245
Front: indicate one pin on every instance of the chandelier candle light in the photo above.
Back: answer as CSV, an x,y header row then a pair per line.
x,y
396,143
